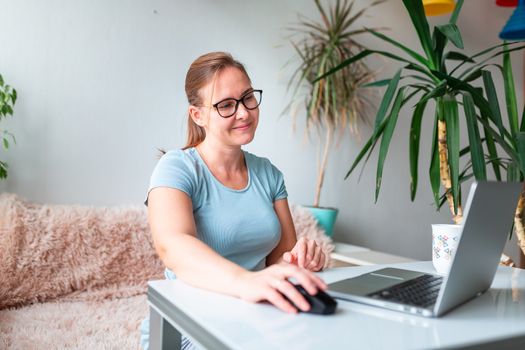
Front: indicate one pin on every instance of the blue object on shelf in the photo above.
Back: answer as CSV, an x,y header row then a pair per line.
x,y
325,218
515,27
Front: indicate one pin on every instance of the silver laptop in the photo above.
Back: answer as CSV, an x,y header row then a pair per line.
x,y
488,218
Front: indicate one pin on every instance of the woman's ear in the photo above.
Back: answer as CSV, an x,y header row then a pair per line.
x,y
197,116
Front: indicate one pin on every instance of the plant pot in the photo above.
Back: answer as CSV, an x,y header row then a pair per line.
x,y
325,218
445,239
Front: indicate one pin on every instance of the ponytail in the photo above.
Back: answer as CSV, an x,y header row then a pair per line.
x,y
196,134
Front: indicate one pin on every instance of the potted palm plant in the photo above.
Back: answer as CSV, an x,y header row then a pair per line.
x,y
453,81
337,104
429,77
7,101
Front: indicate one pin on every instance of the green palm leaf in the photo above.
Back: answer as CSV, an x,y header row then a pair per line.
x,y
510,94
508,148
387,99
415,134
522,126
451,32
417,15
481,63
476,149
365,53
455,13
387,136
481,53
368,146
377,83
397,44
371,143
491,148
439,41
458,56
492,98
513,172
520,145
434,162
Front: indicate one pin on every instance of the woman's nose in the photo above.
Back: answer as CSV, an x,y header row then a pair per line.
x,y
242,112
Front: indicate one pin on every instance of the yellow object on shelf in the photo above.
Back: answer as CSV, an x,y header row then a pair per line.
x,y
438,7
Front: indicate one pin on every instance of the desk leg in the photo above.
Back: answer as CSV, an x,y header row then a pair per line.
x,y
162,335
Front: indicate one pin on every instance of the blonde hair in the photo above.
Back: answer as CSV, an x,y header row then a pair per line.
x,y
201,72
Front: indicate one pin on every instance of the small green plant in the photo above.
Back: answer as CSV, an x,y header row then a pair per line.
x,y
7,102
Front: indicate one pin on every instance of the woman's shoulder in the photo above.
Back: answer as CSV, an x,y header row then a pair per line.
x,y
179,155
178,158
259,163
267,174
254,159
176,169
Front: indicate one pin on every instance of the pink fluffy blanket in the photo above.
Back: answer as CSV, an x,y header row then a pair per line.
x,y
51,251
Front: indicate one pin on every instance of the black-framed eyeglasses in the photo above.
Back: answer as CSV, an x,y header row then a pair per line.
x,y
228,107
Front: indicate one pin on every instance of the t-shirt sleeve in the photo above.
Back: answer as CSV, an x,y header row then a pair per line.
x,y
174,170
279,186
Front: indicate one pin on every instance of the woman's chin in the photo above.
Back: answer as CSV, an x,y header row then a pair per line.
x,y
243,139
247,141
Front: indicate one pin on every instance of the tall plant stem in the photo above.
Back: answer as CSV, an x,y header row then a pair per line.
x,y
444,171
322,167
518,221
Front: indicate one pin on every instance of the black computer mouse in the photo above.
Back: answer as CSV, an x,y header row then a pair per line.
x,y
320,303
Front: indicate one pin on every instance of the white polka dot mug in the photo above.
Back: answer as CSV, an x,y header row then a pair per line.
x,y
445,239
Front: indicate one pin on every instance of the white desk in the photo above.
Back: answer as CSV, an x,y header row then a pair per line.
x,y
495,320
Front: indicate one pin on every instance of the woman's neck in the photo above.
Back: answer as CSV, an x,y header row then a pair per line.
x,y
222,159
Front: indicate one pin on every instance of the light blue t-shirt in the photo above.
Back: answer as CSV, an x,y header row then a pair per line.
x,y
240,225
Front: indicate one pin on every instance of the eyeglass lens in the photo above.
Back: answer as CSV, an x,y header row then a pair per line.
x,y
228,107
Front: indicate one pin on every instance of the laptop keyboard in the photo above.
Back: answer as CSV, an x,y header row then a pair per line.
x,y
421,291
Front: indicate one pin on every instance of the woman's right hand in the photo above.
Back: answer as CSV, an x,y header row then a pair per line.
x,y
272,283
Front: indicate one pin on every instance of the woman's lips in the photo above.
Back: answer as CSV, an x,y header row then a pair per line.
x,y
243,127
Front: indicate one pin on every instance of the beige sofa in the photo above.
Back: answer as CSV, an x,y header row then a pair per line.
x,y
74,277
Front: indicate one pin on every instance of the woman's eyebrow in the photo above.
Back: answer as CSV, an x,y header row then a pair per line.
x,y
242,94
247,90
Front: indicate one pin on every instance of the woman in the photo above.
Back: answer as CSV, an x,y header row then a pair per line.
x,y
219,215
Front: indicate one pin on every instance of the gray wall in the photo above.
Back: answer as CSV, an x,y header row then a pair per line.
x,y
101,88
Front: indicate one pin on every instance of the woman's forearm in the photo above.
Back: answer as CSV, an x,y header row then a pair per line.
x,y
197,264
288,235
